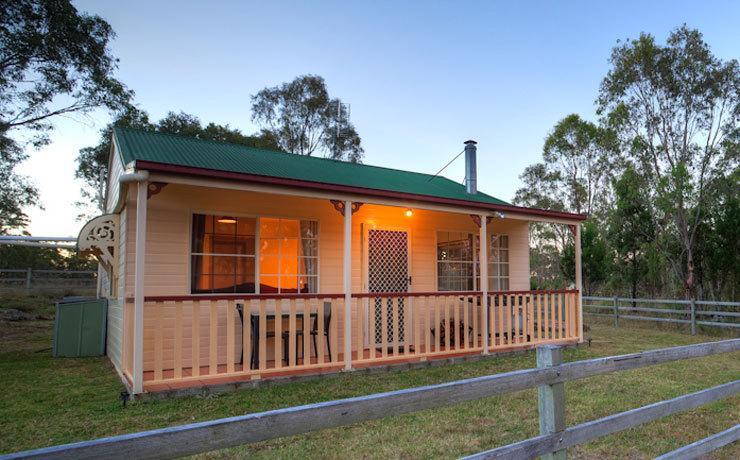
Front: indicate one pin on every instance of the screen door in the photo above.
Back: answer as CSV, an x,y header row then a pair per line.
x,y
388,271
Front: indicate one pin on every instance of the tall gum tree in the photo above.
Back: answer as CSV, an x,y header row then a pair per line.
x,y
677,109
54,61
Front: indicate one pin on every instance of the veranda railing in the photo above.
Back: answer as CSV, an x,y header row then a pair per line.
x,y
212,336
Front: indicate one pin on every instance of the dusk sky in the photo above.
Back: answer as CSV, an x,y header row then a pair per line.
x,y
421,77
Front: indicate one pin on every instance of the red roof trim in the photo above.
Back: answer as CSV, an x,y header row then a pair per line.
x,y
269,180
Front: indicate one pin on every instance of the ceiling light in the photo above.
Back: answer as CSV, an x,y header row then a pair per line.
x,y
226,220
409,212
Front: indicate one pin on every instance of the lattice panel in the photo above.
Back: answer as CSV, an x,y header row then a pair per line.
x,y
388,267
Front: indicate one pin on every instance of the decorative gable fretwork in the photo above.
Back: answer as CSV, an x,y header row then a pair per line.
x,y
99,237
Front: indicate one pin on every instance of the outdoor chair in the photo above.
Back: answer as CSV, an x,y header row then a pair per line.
x,y
315,329
314,332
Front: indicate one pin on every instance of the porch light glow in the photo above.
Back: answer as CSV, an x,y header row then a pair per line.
x,y
409,212
226,220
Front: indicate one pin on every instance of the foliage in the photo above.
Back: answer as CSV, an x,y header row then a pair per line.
x,y
718,240
53,61
630,229
17,191
577,155
577,165
657,173
595,258
304,120
676,108
14,257
92,162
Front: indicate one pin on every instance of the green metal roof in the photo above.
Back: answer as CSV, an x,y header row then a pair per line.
x,y
197,153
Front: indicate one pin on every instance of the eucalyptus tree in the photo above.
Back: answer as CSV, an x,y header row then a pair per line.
x,y
677,106
579,159
54,61
304,120
630,228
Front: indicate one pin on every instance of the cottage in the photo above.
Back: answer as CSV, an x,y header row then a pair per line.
x,y
224,263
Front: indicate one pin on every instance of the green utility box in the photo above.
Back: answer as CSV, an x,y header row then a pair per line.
x,y
79,328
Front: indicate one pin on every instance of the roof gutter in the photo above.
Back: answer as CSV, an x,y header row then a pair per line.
x,y
131,176
143,166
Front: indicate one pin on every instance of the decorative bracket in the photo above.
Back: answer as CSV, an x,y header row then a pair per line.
x,y
339,206
476,219
572,229
154,188
99,237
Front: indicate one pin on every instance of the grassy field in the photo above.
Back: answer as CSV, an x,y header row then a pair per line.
x,y
49,401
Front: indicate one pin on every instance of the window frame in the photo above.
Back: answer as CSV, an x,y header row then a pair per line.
x,y
491,277
474,262
256,256
476,259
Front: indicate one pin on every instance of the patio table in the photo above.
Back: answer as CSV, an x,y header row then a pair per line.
x,y
254,322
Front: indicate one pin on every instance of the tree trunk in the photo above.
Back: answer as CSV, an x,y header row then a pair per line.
x,y
634,281
689,286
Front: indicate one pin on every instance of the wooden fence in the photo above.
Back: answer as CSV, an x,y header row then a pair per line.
x,y
26,281
689,312
549,376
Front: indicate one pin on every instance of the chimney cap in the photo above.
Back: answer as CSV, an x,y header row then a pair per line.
x,y
470,141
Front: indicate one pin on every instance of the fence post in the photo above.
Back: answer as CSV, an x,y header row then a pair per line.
x,y
29,274
551,398
693,316
616,311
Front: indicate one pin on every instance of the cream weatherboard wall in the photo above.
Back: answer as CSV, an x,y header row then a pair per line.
x,y
168,247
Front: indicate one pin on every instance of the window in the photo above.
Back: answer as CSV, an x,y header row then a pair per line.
x,y
288,253
222,254
229,255
455,261
498,263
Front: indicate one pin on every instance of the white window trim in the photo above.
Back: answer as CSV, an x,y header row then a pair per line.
x,y
256,255
492,246
475,261
437,261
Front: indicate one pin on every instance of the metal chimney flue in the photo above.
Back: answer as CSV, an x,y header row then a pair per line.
x,y
471,170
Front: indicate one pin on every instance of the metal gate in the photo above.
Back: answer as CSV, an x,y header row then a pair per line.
x,y
388,271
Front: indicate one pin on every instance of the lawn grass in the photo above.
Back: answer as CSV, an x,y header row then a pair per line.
x,y
49,401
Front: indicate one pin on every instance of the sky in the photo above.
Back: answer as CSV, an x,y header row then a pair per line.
x,y
421,77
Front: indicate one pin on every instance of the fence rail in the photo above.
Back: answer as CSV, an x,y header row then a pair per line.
x,y
29,281
692,312
234,431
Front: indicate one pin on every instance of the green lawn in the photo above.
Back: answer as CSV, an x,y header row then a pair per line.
x,y
49,401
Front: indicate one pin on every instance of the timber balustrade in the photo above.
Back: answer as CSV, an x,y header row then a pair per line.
x,y
194,338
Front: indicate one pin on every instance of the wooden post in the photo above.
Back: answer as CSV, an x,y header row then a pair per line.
x,y
347,275
483,261
579,280
693,316
138,367
551,402
616,311
29,275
